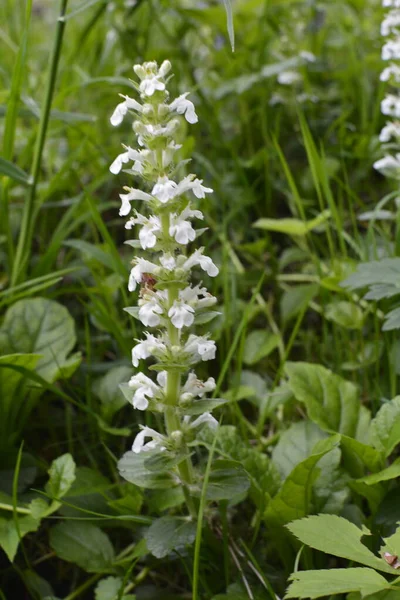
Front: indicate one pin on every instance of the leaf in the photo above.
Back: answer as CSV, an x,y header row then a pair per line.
x,y
44,327
14,172
108,589
392,320
345,314
358,455
229,23
82,544
62,476
10,537
107,389
334,535
227,480
318,584
259,344
295,445
297,299
10,381
330,490
387,474
169,533
293,227
332,402
392,545
385,427
92,252
132,468
89,491
377,272
198,407
293,499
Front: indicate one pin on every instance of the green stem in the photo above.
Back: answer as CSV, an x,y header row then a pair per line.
x,y
18,509
28,216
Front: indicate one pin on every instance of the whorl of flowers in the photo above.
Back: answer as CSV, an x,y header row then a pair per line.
x,y
390,135
169,304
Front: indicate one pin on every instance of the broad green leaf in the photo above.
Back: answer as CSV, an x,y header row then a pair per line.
x,y
332,402
318,584
297,299
377,272
293,499
90,491
62,476
82,544
357,456
107,389
391,472
295,445
227,480
14,172
392,320
108,589
45,327
9,536
131,502
37,586
132,468
345,314
334,535
170,533
330,490
259,344
293,227
160,500
385,427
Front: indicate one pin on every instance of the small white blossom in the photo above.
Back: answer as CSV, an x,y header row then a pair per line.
x,y
307,56
391,23
119,113
288,77
204,419
145,348
144,388
181,314
392,71
181,229
196,387
164,189
389,165
168,262
390,131
147,233
200,348
391,3
141,267
157,441
150,311
205,262
391,50
133,194
390,106
184,107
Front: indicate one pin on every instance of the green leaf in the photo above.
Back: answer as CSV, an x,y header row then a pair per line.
x,y
358,455
376,273
229,23
385,427
132,468
292,227
345,314
259,344
332,402
44,327
227,479
391,472
62,476
92,252
297,299
334,535
293,499
295,445
107,389
330,490
14,172
90,491
82,544
170,533
108,589
10,537
10,380
198,407
392,320
318,584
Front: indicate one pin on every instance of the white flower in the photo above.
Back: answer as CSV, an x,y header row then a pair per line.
x,y
184,107
307,56
197,296
119,113
391,71
157,441
181,229
288,77
144,349
150,226
125,157
204,419
391,130
196,387
168,262
391,3
136,275
148,130
164,189
391,23
144,388
200,348
389,165
162,378
151,77
391,50
133,194
390,106
150,311
190,182
181,314
205,263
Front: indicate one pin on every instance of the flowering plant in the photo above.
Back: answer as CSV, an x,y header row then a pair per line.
x,y
168,302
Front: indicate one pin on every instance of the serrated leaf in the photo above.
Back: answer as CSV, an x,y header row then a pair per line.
x,y
132,468
385,427
44,327
259,344
62,476
318,584
169,533
332,402
334,535
345,314
83,544
376,272
292,500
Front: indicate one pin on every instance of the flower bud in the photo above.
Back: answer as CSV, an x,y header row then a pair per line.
x,y
140,72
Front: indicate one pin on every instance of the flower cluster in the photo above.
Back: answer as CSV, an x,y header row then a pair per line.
x,y
390,106
168,302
